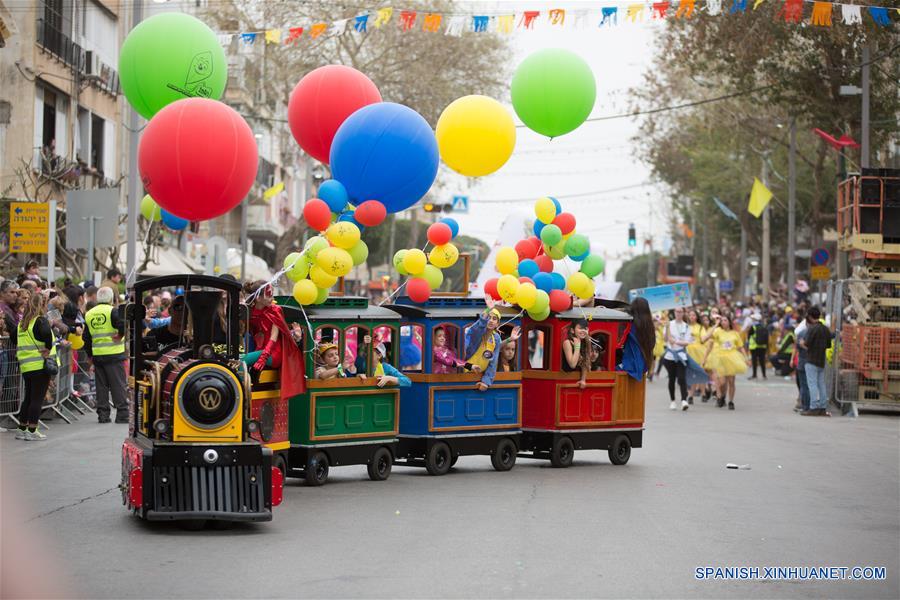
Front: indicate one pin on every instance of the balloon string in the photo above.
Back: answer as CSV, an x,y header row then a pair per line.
x,y
399,287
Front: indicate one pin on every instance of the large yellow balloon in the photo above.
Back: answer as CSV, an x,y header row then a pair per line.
x,y
337,262
343,234
507,286
507,260
581,285
475,135
526,295
305,292
414,261
545,210
444,256
322,279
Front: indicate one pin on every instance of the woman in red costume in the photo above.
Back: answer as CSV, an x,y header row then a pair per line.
x,y
274,343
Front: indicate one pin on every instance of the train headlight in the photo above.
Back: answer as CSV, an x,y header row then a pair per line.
x,y
209,397
161,426
253,426
210,456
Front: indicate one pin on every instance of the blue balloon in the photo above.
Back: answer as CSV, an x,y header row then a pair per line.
x,y
538,226
348,216
543,281
385,152
334,194
559,282
581,257
558,205
452,224
172,222
528,268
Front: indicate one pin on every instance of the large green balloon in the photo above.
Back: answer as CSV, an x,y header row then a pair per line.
x,y
553,91
593,265
168,57
150,209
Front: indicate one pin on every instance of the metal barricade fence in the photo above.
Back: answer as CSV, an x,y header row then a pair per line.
x,y
11,390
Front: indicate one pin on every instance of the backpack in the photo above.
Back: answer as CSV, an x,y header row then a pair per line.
x,y
761,335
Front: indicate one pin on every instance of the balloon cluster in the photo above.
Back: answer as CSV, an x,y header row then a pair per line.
x,y
526,270
151,211
425,272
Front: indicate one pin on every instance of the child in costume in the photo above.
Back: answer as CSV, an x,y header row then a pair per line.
x,y
483,345
444,359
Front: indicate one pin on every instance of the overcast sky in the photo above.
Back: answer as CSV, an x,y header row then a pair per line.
x,y
597,156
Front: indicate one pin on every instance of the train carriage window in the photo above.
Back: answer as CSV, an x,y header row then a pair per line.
x,y
538,346
326,335
411,341
599,352
509,351
357,351
386,335
445,348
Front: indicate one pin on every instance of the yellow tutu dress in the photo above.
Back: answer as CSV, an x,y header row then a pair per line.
x,y
697,349
726,358
660,347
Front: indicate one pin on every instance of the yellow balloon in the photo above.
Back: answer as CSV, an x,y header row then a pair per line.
x,y
76,340
526,295
581,285
444,256
343,234
305,292
475,135
323,279
507,287
414,261
545,210
555,252
507,260
337,262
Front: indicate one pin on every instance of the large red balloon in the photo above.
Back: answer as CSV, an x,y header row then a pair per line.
x,y
490,288
560,301
418,289
197,158
525,249
565,222
322,101
317,214
545,263
370,213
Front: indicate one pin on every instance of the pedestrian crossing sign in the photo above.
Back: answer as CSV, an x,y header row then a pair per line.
x,y
460,204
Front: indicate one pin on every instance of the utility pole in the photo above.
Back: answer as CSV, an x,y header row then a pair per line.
x,y
134,183
766,231
864,154
792,207
649,242
742,287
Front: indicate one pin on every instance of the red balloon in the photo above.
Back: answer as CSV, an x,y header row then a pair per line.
x,y
317,214
439,234
560,301
565,222
418,289
197,157
526,280
322,101
536,242
525,249
370,213
545,263
490,288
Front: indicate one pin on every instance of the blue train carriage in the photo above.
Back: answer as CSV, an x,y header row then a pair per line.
x,y
443,415
347,419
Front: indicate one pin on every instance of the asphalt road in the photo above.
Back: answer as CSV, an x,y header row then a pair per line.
x,y
820,492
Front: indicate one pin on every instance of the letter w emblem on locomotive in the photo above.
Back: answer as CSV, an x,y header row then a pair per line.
x,y
210,399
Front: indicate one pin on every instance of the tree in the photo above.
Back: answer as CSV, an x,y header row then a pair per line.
x,y
633,273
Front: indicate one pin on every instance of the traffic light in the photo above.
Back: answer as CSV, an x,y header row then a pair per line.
x,y
433,207
632,236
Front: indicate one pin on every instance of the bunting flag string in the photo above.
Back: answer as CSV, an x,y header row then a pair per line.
x,y
821,14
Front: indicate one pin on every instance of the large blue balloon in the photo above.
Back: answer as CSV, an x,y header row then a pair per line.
x,y
172,222
385,152
334,195
538,227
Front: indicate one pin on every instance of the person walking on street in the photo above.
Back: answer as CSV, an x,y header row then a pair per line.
x,y
758,344
727,357
677,338
816,342
104,341
800,354
34,344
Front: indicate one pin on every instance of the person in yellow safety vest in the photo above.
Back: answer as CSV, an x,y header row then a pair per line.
x,y
34,343
483,345
758,344
104,341
781,360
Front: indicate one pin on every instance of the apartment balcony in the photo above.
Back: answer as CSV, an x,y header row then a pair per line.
x,y
85,63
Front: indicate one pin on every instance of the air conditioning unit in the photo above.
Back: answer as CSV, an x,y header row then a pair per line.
x,y
96,68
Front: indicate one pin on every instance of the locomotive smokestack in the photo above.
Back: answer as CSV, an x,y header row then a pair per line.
x,y
204,308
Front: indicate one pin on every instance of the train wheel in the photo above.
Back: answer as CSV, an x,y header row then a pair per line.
x,y
281,464
504,457
380,465
438,460
316,469
453,460
620,451
563,452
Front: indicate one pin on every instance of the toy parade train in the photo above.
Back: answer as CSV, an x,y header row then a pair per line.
x,y
535,410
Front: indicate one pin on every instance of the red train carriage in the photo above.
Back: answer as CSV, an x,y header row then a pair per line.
x,y
558,415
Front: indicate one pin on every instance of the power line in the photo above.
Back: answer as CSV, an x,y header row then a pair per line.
x,y
561,196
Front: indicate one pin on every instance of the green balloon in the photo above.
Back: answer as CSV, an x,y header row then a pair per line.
x,y
541,303
297,266
322,296
168,57
556,252
433,276
553,91
359,253
398,261
577,245
150,209
551,235
314,245
593,265
539,316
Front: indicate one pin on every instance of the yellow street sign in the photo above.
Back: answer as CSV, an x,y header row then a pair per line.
x,y
820,273
29,227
